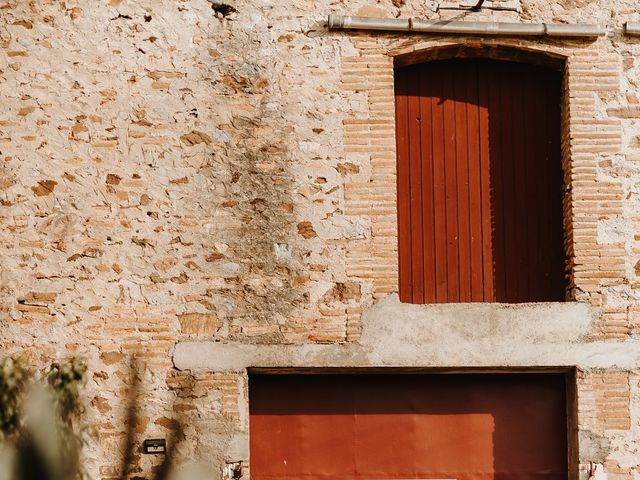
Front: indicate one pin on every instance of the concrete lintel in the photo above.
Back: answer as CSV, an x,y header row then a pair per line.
x,y
452,335
212,356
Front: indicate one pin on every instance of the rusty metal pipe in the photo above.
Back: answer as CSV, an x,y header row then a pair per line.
x,y
464,28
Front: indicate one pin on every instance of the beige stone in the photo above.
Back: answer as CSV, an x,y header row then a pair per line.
x,y
199,323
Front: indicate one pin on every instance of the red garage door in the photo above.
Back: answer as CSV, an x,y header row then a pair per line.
x,y
464,427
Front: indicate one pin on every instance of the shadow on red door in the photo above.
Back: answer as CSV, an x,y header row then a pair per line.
x,y
413,426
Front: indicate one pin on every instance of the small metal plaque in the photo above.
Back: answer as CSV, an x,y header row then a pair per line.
x,y
155,445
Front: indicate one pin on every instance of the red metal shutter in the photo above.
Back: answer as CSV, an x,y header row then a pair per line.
x,y
383,427
479,182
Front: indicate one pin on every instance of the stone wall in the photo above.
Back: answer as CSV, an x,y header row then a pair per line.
x,y
189,182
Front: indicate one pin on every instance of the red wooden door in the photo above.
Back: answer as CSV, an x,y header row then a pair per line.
x,y
374,427
479,182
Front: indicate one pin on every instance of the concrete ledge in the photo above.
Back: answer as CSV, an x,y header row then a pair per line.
x,y
451,335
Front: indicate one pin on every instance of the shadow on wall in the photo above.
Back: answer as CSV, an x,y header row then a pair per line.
x,y
258,266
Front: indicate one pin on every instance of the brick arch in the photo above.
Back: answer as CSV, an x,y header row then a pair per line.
x,y
495,51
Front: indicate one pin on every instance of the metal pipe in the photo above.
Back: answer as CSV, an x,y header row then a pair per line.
x,y
475,28
573,30
464,28
369,23
493,8
632,29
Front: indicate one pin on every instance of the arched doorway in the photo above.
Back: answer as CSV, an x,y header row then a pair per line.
x,y
480,197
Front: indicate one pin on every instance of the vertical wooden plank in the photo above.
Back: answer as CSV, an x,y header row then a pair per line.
x,y
508,184
487,110
546,190
520,240
451,187
557,284
475,183
415,172
439,205
538,140
428,232
461,74
403,189
532,146
497,142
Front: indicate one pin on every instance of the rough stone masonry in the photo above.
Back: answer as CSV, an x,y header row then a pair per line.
x,y
211,186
